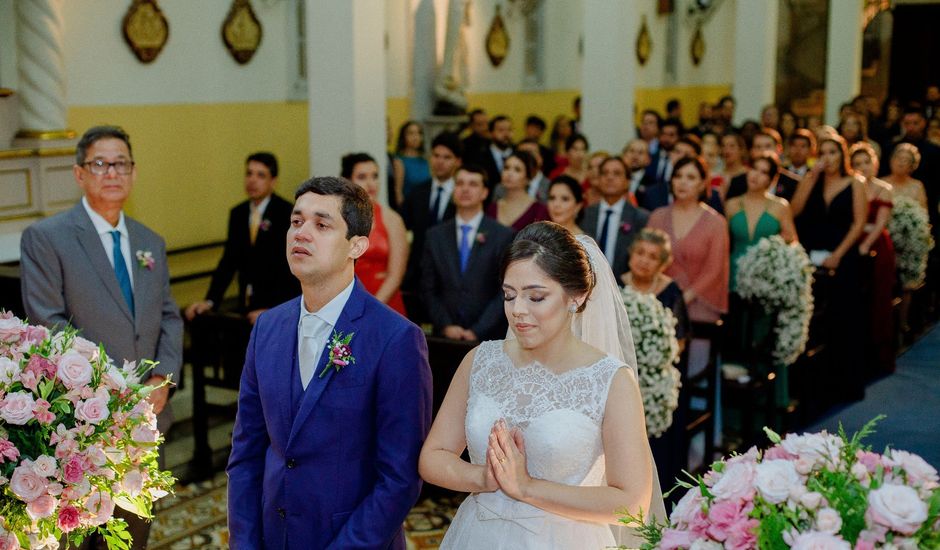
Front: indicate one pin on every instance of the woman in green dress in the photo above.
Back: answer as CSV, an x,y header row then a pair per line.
x,y
755,215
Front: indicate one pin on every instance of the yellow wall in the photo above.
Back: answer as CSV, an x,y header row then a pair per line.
x,y
190,159
690,97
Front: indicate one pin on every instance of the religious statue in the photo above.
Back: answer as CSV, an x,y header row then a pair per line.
x,y
449,86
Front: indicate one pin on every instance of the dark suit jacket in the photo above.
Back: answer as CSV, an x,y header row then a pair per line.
x,y
67,278
472,145
472,299
262,265
415,212
656,195
786,185
484,159
341,471
631,222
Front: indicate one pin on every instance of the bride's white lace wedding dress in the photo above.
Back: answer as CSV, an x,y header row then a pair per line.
x,y
561,417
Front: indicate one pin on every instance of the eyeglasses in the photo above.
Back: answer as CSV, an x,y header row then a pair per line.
x,y
100,167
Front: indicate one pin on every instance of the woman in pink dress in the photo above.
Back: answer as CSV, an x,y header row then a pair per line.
x,y
700,242
382,267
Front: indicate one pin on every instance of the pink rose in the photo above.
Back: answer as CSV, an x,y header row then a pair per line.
x,y
11,329
9,541
68,518
35,334
45,466
819,541
42,507
897,507
777,452
92,410
143,433
723,517
26,483
17,408
8,451
674,539
99,508
132,483
74,470
736,482
74,369
870,460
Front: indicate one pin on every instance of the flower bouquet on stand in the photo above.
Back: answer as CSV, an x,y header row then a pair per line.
x,y
657,351
779,277
910,232
809,491
77,438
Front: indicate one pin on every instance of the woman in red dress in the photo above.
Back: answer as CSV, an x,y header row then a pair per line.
x,y
382,267
876,242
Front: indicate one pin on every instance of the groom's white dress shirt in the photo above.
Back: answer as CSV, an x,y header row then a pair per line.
x,y
314,330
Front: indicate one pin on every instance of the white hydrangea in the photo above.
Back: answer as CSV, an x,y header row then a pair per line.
x,y
910,232
657,351
779,277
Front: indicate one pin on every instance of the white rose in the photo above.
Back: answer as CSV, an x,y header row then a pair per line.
x,y
916,468
9,370
736,482
26,483
87,348
828,521
17,408
45,466
819,541
859,471
897,507
811,500
775,478
74,370
819,448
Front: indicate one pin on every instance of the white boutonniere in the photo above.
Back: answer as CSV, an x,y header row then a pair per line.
x,y
145,259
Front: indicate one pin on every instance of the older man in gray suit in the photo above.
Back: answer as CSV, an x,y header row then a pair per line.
x,y
106,273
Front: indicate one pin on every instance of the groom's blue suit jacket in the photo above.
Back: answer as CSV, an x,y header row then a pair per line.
x,y
343,471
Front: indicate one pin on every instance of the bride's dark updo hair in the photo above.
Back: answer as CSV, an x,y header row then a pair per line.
x,y
556,252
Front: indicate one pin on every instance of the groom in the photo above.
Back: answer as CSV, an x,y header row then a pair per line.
x,y
325,455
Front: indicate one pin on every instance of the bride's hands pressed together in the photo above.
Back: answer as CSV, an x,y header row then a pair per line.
x,y
507,461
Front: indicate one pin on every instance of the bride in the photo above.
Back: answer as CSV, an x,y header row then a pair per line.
x,y
554,426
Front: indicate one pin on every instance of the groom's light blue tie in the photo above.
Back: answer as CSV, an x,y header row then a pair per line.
x,y
464,246
120,270
312,330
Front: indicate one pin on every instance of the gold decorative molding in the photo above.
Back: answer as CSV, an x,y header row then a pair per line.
x,y
26,153
46,135
241,31
497,39
28,188
644,44
145,29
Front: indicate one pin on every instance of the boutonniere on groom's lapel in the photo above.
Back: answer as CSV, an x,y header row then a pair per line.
x,y
145,259
265,225
481,237
625,227
340,353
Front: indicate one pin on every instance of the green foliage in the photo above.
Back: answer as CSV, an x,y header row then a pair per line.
x,y
651,531
770,533
847,496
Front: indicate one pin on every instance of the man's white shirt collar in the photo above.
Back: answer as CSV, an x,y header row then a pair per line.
x,y
331,311
261,206
101,225
474,224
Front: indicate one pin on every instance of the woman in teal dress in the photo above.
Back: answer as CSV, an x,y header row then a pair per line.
x,y
410,151
755,215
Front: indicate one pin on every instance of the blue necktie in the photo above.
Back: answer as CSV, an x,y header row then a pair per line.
x,y
120,269
602,244
464,246
436,207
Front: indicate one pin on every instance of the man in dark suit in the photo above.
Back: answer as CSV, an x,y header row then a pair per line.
x,y
614,222
802,145
426,206
492,158
660,168
767,140
636,156
107,275
535,127
479,138
460,278
254,247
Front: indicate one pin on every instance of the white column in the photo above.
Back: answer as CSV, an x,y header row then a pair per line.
x,y
41,72
345,82
843,55
755,56
424,52
608,78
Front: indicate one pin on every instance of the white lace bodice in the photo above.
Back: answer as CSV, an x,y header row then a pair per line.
x,y
560,415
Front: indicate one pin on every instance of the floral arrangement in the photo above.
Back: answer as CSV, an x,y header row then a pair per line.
x,y
657,351
779,277
910,232
810,491
77,438
340,353
145,259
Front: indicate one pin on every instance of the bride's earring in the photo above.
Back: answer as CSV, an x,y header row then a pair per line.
x,y
573,308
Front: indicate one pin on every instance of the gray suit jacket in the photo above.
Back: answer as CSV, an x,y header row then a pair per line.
x,y
67,278
631,222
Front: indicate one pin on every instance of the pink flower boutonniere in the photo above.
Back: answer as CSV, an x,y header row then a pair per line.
x,y
265,225
340,353
481,238
145,259
625,227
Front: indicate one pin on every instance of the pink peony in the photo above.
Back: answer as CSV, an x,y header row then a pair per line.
x,y
42,507
40,366
26,483
74,471
8,451
74,370
736,482
674,539
92,410
68,518
99,508
17,408
897,507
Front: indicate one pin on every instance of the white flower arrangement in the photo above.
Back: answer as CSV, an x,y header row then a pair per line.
x,y
779,277
657,351
910,232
